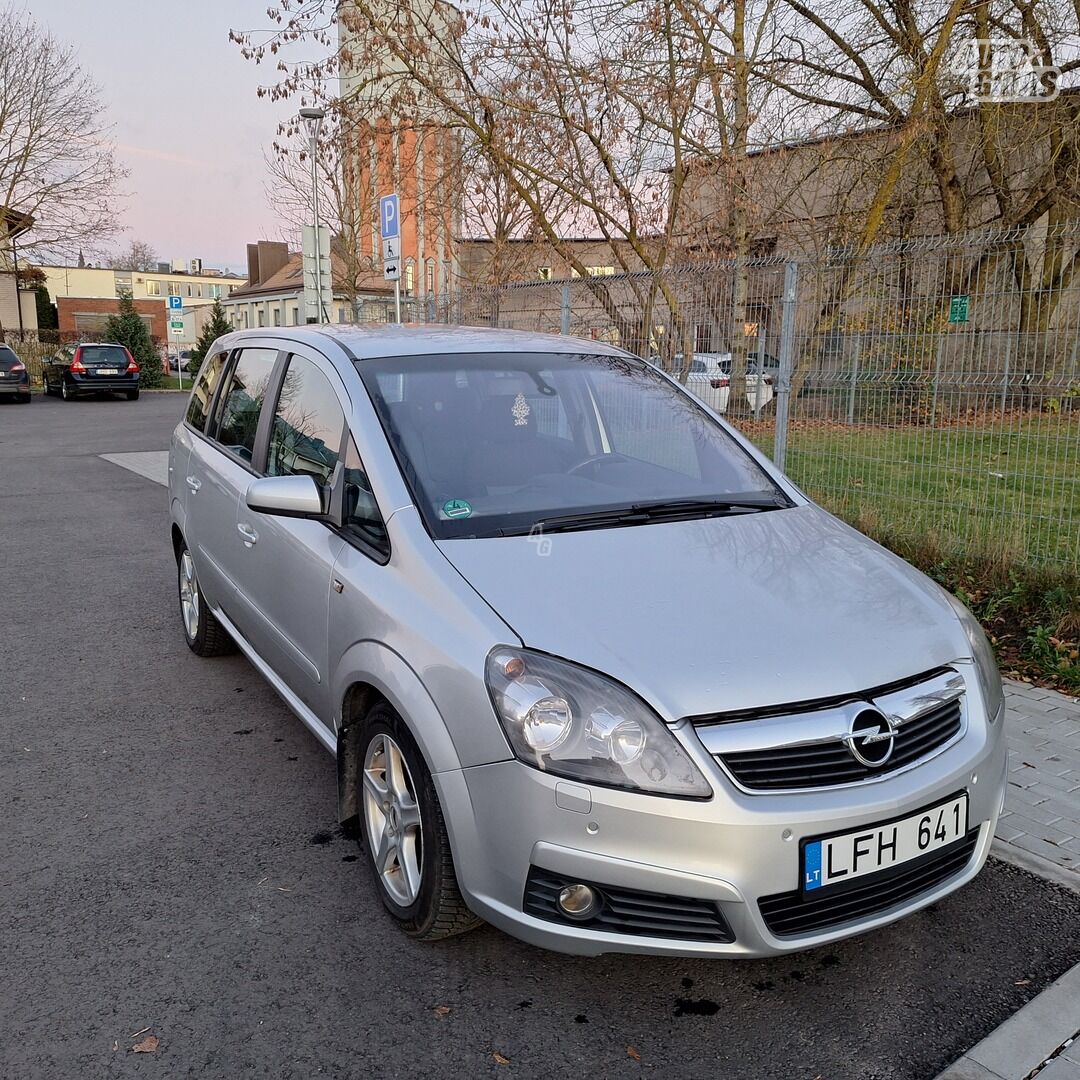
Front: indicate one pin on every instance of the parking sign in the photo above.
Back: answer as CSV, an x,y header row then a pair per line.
x,y
176,303
390,221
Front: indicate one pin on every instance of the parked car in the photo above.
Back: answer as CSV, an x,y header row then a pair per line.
x,y
593,670
91,368
180,361
710,380
14,378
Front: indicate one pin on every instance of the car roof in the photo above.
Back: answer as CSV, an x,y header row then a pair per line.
x,y
421,339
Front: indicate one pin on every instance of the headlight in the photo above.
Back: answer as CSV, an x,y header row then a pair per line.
x,y
572,722
985,663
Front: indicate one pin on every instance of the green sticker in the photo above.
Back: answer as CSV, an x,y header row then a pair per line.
x,y
457,508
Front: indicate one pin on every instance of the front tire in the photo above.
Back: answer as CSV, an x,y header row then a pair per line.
x,y
204,635
404,835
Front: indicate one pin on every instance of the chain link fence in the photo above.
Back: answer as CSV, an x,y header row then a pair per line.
x,y
928,389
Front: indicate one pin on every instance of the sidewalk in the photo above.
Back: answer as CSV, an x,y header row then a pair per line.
x,y
1040,826
1039,830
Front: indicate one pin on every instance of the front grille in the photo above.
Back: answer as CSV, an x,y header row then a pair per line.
x,y
824,764
792,914
628,911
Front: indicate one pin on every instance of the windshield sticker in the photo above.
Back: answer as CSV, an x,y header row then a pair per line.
x,y
520,411
457,508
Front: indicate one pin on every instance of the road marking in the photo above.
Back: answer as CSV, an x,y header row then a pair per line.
x,y
153,464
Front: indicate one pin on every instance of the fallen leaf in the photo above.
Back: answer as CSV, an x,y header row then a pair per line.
x,y
499,1059
633,1052
147,1046
115,1045
441,1010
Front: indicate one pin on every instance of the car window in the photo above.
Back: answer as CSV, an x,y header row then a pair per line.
x,y
362,517
308,424
241,402
501,441
202,394
7,356
104,354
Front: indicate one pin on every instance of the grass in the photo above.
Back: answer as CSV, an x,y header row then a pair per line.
x,y
991,511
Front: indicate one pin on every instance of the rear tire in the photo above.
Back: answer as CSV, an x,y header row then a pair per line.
x,y
132,395
65,392
204,635
23,399
402,824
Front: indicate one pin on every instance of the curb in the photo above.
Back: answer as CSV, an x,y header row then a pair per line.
x,y
1036,864
1025,1042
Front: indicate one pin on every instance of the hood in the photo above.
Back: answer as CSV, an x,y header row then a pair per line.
x,y
719,614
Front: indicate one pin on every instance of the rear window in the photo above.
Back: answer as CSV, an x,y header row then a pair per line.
x,y
7,357
202,393
104,354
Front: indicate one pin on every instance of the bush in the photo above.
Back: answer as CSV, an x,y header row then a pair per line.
x,y
217,326
127,328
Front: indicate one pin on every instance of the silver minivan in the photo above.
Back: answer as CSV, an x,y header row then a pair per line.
x,y
593,670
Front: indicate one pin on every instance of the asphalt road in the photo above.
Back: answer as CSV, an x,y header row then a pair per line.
x,y
169,860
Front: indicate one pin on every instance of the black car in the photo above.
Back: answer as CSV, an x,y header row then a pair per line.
x,y
14,378
91,368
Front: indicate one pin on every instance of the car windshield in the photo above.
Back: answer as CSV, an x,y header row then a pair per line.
x,y
103,354
500,442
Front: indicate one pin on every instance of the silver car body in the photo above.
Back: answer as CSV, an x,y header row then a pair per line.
x,y
706,620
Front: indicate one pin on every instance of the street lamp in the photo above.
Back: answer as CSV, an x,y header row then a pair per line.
x,y
313,119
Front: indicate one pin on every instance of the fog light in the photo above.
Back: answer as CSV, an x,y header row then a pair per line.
x,y
578,901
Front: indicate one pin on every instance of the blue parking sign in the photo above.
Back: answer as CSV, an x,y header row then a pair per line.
x,y
176,303
389,220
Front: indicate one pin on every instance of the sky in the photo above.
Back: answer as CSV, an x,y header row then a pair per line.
x,y
187,122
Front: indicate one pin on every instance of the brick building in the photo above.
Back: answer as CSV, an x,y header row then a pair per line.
x,y
86,316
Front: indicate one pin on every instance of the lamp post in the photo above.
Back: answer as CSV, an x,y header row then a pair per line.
x,y
313,119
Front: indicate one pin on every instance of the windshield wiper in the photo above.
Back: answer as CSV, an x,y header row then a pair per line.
x,y
645,513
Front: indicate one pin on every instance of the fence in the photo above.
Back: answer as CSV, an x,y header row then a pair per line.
x,y
928,388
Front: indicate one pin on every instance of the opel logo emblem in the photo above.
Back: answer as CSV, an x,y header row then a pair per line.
x,y
871,739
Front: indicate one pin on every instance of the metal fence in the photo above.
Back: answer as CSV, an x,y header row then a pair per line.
x,y
927,389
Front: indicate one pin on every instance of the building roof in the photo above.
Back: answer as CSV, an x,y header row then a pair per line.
x,y
422,339
290,279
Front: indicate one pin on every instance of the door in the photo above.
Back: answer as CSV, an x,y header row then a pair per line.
x,y
218,472
283,579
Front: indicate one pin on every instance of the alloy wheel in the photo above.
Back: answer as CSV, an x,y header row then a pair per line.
x,y
392,816
189,595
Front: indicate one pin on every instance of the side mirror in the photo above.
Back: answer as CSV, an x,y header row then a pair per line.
x,y
286,496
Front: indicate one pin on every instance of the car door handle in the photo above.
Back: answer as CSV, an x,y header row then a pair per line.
x,y
249,535
194,483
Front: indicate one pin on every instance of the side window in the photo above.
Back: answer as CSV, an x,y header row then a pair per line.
x,y
308,424
362,517
202,393
241,402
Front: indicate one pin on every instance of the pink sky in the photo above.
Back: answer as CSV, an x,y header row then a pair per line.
x,y
188,124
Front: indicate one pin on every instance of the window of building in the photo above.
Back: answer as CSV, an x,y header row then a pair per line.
x,y
340,314
241,403
308,424
174,288
544,273
600,271
153,288
294,315
214,292
260,315
410,277
429,275
198,291
188,287
123,285
277,315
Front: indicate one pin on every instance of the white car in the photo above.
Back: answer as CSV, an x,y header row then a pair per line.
x,y
709,379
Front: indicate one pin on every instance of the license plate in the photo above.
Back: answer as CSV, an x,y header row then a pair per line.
x,y
835,859
107,371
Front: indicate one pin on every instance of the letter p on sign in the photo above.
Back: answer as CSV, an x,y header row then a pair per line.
x,y
388,217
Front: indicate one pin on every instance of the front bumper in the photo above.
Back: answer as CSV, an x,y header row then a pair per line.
x,y
734,849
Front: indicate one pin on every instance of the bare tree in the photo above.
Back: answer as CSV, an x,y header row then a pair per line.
x,y
56,164
138,255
